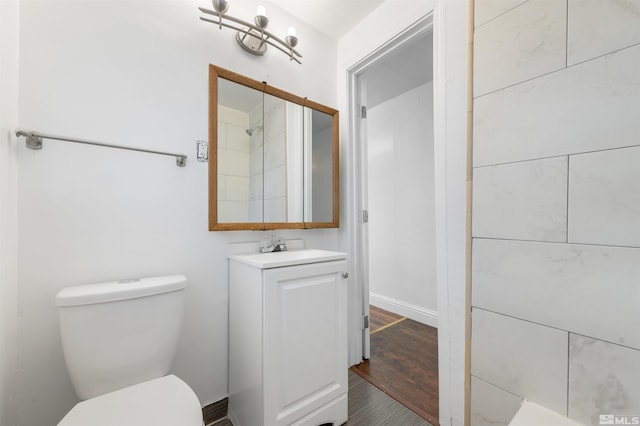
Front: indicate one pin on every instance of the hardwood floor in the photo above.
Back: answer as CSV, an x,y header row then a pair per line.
x,y
404,362
399,385
380,319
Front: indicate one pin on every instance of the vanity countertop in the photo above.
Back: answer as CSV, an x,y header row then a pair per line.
x,y
287,258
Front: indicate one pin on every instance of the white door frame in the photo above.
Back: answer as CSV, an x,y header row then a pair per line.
x,y
448,20
418,29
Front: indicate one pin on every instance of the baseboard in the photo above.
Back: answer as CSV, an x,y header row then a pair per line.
x,y
416,313
213,412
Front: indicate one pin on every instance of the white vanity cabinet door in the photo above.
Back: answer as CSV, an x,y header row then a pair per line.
x,y
305,341
288,362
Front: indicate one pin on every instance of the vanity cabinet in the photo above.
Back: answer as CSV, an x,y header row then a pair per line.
x,y
288,360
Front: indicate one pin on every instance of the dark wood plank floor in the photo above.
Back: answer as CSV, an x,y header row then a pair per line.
x,y
404,364
369,406
380,319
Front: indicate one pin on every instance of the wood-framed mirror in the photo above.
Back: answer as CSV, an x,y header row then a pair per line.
x,y
273,157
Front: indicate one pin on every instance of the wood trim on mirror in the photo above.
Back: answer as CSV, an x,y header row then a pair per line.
x,y
216,72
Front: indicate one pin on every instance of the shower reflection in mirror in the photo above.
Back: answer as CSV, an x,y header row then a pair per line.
x,y
275,161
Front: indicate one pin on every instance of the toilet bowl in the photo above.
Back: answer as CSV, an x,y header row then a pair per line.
x,y
532,414
119,339
166,401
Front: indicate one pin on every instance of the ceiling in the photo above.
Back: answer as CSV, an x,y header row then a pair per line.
x,y
403,70
333,18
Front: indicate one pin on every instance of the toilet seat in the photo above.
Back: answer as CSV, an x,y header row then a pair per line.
x,y
167,401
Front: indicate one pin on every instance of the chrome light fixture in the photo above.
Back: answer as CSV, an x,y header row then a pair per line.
x,y
253,38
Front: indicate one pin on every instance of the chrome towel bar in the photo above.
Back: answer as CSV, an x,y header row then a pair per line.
x,y
34,141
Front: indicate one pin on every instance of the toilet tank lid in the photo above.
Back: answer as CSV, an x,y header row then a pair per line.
x,y
89,294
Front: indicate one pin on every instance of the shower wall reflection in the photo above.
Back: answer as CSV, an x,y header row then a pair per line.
x,y
274,157
260,157
276,149
233,174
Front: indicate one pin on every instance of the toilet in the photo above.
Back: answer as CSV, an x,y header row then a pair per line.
x,y
119,339
532,414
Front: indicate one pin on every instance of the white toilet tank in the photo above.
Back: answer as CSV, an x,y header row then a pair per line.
x,y
118,334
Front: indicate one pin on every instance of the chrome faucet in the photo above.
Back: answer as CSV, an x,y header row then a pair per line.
x,y
273,245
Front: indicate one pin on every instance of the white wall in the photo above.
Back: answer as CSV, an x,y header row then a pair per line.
x,y
450,152
8,209
131,73
402,242
556,213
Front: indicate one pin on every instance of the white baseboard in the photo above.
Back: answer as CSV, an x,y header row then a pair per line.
x,y
416,313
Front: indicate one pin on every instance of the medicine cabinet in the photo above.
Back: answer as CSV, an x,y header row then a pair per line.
x,y
273,157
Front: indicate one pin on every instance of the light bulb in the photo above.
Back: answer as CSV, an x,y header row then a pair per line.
x,y
261,11
291,32
220,6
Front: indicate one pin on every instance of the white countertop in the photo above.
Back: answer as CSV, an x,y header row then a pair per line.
x,y
287,258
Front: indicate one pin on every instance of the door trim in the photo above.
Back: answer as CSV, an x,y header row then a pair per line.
x,y
359,300
449,20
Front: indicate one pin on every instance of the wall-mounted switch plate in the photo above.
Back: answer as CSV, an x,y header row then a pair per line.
x,y
202,151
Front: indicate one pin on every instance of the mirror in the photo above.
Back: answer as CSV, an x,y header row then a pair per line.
x,y
273,157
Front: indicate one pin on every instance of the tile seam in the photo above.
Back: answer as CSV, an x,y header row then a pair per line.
x,y
568,67
594,151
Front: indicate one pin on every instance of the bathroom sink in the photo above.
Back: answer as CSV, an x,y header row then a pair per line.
x,y
287,258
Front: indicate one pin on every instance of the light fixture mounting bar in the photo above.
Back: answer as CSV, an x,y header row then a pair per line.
x,y
244,31
268,37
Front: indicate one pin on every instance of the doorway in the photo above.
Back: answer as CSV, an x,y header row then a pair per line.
x,y
399,182
397,240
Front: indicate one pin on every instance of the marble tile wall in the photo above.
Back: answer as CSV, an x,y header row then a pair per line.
x,y
486,10
587,107
603,379
491,404
599,27
556,208
604,201
587,289
523,52
521,357
532,196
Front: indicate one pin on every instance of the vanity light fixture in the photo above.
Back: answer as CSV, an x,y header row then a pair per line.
x,y
253,38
